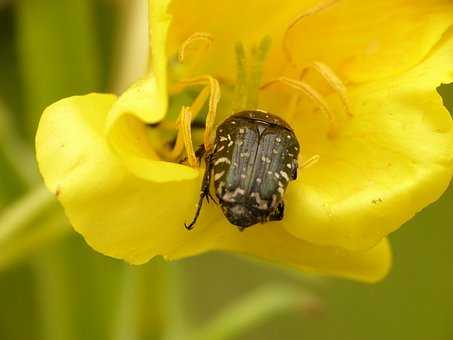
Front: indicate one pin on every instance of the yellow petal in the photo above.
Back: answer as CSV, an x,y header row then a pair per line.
x,y
362,40
366,40
129,136
387,163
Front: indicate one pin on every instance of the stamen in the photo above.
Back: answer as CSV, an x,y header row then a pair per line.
x,y
203,36
214,97
249,73
316,9
312,94
186,133
332,79
240,95
177,150
310,162
256,69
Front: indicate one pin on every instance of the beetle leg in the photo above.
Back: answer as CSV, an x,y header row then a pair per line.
x,y
294,169
200,152
311,93
204,192
214,96
278,213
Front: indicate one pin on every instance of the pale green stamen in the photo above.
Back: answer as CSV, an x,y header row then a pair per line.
x,y
249,74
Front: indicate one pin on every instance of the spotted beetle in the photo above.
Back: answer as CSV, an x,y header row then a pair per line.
x,y
253,159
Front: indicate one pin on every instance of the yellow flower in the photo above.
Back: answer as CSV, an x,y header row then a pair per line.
x,y
388,161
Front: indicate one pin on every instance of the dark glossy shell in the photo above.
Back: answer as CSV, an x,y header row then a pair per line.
x,y
254,159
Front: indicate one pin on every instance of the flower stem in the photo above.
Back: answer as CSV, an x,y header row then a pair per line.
x,y
18,248
126,324
176,325
19,155
23,212
53,296
261,305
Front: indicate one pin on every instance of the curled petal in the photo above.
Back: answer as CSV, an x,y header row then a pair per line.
x,y
143,104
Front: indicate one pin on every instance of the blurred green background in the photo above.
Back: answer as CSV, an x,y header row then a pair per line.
x,y
53,286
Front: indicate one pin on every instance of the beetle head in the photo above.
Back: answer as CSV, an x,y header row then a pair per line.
x,y
240,215
243,216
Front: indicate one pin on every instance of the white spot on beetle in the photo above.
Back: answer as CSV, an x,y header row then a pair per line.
x,y
220,187
284,175
281,191
223,139
268,160
288,165
241,130
221,148
218,176
288,136
274,201
276,175
261,204
222,160
230,143
230,195
278,139
263,159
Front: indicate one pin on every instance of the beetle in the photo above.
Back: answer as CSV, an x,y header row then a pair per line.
x,y
254,157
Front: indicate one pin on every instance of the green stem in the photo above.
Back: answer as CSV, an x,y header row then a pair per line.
x,y
52,291
20,247
176,325
23,212
259,306
19,155
126,322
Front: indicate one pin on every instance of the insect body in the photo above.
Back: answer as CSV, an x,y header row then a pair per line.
x,y
253,159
